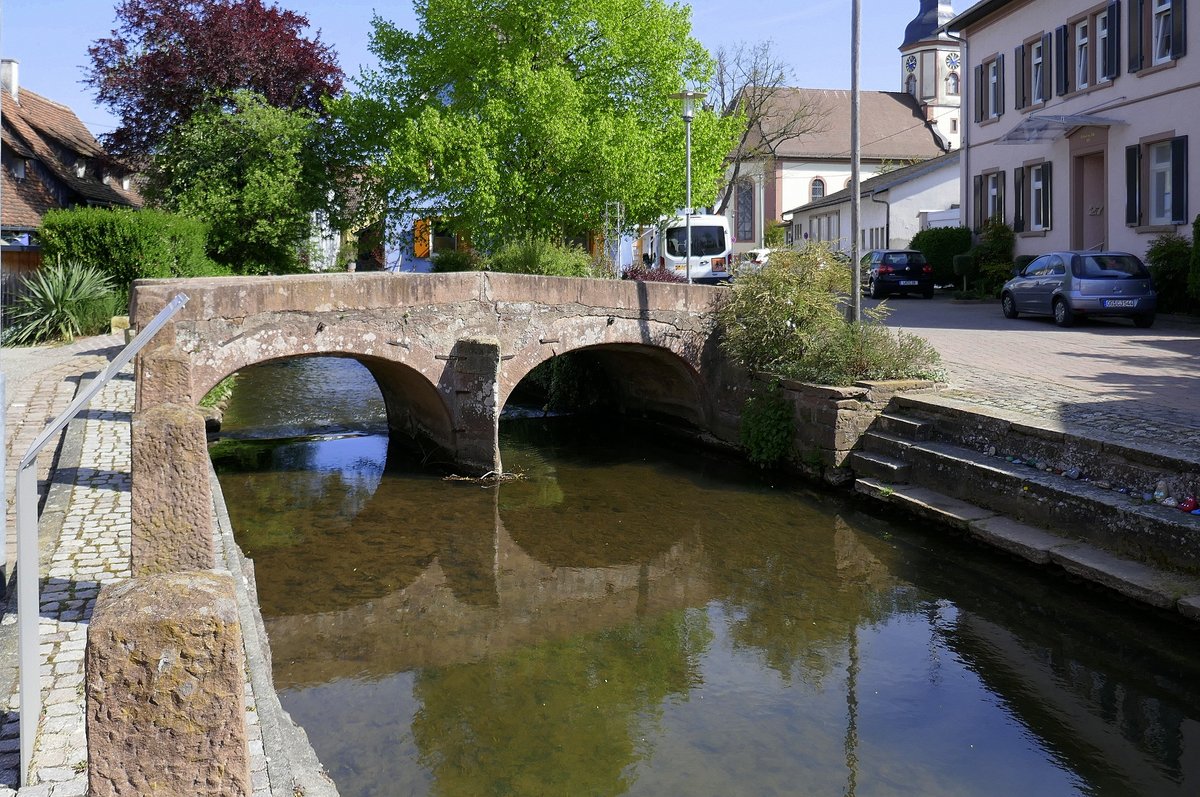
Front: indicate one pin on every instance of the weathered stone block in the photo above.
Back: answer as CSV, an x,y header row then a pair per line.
x,y
166,710
164,376
171,498
476,396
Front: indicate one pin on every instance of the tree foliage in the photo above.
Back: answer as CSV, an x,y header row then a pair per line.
x,y
247,171
752,83
167,57
523,119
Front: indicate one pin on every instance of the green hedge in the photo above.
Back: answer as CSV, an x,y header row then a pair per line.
x,y
127,244
940,245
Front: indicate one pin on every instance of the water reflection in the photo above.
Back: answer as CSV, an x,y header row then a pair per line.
x,y
633,619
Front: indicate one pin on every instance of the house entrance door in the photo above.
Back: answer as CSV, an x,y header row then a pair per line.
x,y
1089,188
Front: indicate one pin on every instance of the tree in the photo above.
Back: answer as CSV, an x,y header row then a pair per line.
x,y
167,57
523,119
245,169
754,83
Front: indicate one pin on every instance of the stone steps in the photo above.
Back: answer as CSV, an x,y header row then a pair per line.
x,y
1137,580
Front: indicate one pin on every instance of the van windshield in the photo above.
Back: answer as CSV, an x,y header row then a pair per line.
x,y
707,240
1110,267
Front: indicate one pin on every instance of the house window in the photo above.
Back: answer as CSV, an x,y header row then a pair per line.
x,y
1156,32
1083,67
1033,198
988,197
952,81
1033,71
953,124
1037,71
1156,182
744,211
818,189
1106,46
995,89
18,168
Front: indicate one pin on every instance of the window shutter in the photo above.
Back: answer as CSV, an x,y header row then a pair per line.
x,y
1047,196
1133,199
1135,34
1043,88
421,240
1020,203
1000,196
1062,59
1021,78
1178,28
979,93
1112,65
1179,187
1000,83
977,191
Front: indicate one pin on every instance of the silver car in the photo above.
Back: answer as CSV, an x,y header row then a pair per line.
x,y
1072,285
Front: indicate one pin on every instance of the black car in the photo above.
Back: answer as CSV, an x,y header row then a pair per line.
x,y
888,271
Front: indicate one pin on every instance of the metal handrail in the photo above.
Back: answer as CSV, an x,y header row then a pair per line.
x,y
28,603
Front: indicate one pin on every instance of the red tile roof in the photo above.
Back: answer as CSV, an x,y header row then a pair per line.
x,y
51,136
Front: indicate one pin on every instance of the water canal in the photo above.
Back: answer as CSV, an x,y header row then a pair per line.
x,y
635,617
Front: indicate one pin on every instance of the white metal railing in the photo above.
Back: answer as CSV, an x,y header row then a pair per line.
x,y
28,602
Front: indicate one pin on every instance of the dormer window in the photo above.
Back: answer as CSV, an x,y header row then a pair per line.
x,y
125,183
18,168
80,168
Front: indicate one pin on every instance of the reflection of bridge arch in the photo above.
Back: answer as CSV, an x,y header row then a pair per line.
x,y
446,349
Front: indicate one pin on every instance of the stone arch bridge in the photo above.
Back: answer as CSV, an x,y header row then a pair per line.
x,y
447,350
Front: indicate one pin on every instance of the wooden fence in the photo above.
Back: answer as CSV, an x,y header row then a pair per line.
x,y
16,263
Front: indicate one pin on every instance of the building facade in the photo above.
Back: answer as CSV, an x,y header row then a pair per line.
x,y
1079,120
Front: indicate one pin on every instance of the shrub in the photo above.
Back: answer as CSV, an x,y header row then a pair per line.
x,y
642,273
537,256
127,244
941,245
994,256
62,301
466,260
1169,257
966,266
789,319
767,426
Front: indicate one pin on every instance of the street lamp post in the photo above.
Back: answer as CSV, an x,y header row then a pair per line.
x,y
689,108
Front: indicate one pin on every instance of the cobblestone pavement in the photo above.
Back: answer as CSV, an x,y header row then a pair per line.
x,y
1101,375
91,548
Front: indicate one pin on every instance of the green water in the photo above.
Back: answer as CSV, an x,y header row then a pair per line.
x,y
637,617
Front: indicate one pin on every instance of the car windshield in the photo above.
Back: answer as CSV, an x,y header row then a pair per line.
x,y
904,259
1110,267
707,240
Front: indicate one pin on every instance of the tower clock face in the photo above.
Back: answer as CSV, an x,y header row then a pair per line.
x,y
952,61
910,63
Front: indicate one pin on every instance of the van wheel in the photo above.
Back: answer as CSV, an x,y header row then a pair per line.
x,y
1062,313
1009,305
1144,321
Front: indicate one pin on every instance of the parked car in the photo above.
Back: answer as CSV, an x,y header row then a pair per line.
x,y
896,271
1071,285
752,261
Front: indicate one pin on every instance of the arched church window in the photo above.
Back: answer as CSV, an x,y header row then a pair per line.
x,y
818,188
952,84
910,85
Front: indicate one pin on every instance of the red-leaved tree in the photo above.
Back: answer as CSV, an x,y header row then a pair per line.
x,y
167,57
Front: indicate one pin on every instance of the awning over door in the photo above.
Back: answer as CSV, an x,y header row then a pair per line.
x,y
1040,127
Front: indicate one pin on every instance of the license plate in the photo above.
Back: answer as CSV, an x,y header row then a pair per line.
x,y
1120,302
908,282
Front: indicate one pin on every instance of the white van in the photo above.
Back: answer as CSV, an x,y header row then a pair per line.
x,y
712,249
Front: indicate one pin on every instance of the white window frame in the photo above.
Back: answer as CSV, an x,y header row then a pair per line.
x,y
992,195
1037,65
1158,193
1083,53
993,89
1103,42
1036,187
1161,21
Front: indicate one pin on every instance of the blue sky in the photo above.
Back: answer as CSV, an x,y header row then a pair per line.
x,y
50,38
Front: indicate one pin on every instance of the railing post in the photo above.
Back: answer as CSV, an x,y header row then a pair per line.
x,y
28,599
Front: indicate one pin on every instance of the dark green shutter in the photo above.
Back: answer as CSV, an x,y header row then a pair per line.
x,y
1043,88
1179,184
977,190
999,110
1063,63
1136,8
1133,198
1019,203
1047,196
979,93
1020,78
1112,64
1178,28
1000,196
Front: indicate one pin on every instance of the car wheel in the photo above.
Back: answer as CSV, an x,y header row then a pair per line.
x,y
1063,316
1144,321
1009,305
876,293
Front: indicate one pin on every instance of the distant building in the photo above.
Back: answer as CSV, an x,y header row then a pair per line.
x,y
48,160
1081,118
897,128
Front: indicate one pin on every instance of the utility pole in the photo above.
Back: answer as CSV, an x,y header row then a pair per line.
x,y
855,161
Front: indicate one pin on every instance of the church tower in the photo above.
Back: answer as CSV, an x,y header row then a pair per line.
x,y
931,69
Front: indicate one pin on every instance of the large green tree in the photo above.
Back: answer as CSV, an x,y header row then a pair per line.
x,y
524,118
245,168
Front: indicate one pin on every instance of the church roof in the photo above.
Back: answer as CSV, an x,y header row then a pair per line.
x,y
892,126
933,14
883,182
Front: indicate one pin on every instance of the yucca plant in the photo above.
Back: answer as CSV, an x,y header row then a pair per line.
x,y
61,301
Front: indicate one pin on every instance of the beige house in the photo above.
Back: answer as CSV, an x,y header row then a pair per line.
x,y
1078,120
915,123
